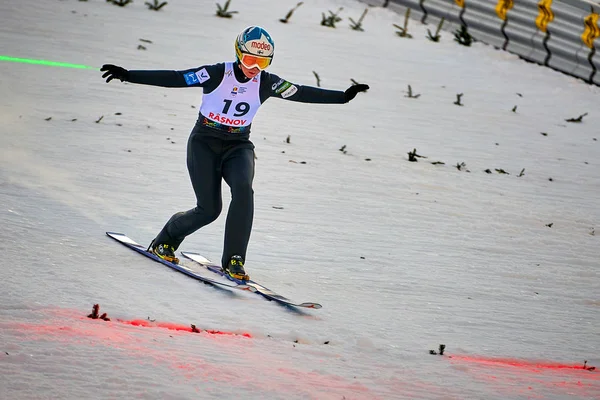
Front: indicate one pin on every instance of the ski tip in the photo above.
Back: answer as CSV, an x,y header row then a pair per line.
x,y
113,234
315,306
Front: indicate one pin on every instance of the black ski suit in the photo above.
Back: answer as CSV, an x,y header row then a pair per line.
x,y
218,151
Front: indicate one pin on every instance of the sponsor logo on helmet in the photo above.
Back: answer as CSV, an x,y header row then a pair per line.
x,y
261,46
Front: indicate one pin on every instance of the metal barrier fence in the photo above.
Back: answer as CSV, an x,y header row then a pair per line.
x,y
560,34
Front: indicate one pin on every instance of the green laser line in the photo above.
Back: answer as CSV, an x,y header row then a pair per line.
x,y
44,62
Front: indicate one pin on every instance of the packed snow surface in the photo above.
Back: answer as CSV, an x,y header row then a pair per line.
x,y
503,269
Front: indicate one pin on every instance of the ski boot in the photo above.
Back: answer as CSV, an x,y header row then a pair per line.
x,y
235,269
165,252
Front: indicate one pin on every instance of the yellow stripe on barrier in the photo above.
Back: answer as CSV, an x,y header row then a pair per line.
x,y
460,3
502,8
545,16
591,30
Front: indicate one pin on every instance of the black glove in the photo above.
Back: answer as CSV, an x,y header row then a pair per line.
x,y
353,90
114,72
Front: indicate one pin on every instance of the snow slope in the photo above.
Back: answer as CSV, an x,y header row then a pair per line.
x,y
501,268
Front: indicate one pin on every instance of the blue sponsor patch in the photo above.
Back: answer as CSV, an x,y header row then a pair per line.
x,y
191,78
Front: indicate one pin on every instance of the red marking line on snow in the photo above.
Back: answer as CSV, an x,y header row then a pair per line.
x,y
531,378
533,366
71,330
178,327
134,341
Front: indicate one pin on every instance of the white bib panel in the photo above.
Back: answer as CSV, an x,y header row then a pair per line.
x,y
232,103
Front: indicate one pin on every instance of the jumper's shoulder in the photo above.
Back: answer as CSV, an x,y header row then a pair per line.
x,y
203,75
276,86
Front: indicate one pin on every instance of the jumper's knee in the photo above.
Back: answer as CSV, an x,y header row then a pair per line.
x,y
242,190
208,212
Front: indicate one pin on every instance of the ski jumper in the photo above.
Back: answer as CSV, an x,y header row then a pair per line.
x,y
219,147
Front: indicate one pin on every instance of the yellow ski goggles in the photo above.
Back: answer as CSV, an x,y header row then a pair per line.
x,y
250,61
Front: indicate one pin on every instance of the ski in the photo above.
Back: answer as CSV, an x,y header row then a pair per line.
x,y
130,243
259,289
